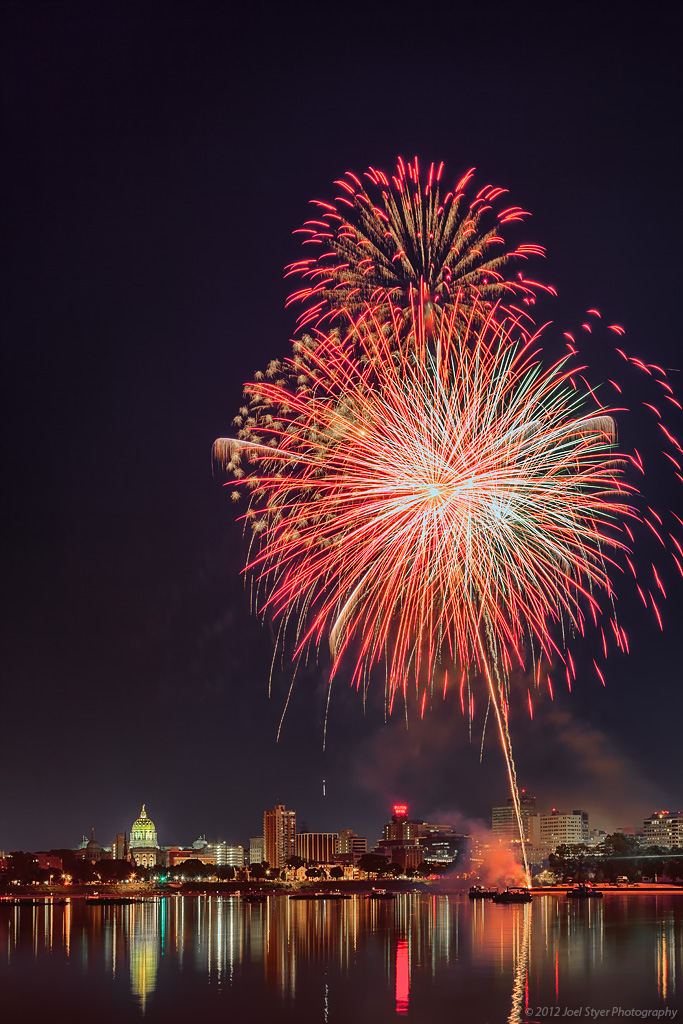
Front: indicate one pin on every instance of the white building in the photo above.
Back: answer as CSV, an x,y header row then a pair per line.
x,y
663,828
548,831
257,850
226,856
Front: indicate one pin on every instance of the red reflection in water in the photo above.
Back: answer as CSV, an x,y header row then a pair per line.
x,y
402,976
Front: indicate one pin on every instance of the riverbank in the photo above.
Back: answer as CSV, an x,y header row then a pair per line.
x,y
198,888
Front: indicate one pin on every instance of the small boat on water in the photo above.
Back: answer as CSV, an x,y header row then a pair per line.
x,y
381,894
513,895
482,892
96,900
255,897
584,892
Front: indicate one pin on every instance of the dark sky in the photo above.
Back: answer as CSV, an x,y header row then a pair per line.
x,y
157,159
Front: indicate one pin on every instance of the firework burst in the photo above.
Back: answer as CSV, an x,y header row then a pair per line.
x,y
449,503
402,239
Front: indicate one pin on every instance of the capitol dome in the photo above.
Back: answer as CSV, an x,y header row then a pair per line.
x,y
143,833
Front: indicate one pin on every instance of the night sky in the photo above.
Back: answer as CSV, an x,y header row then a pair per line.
x,y
157,159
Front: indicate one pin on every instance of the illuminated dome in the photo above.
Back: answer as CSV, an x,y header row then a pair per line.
x,y
143,832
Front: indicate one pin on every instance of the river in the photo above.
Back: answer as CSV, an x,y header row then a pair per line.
x,y
422,957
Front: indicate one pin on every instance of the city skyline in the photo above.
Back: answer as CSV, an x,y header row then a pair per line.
x,y
498,824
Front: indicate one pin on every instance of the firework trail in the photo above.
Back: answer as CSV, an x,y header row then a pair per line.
x,y
434,503
393,238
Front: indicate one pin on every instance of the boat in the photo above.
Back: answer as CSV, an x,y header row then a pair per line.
x,y
583,891
305,895
513,895
381,894
482,892
110,901
255,897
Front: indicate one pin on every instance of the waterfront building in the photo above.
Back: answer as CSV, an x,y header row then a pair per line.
x,y
441,847
504,820
226,856
548,831
144,846
400,829
663,828
279,833
317,847
399,840
257,850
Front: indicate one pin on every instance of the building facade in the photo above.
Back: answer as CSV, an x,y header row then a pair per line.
x,y
317,847
351,846
144,846
119,847
663,828
92,850
504,820
226,856
257,850
279,834
400,829
548,831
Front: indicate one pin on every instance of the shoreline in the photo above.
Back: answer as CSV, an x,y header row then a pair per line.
x,y
351,888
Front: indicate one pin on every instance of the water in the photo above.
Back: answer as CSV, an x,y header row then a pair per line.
x,y
421,957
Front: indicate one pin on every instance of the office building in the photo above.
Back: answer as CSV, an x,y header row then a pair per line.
x,y
504,820
351,846
548,831
317,847
400,829
119,847
226,856
257,850
663,828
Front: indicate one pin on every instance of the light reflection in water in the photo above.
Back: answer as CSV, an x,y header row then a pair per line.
x,y
402,976
520,989
143,932
551,951
665,956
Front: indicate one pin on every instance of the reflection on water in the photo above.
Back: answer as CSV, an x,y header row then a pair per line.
x,y
144,928
324,960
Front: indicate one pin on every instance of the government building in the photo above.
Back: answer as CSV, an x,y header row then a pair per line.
x,y
144,847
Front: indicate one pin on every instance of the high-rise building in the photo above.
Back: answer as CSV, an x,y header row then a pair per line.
x,y
279,834
257,850
317,847
663,828
504,820
399,839
399,829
